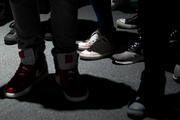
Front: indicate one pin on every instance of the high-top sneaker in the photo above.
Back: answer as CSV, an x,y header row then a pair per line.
x,y
33,67
67,76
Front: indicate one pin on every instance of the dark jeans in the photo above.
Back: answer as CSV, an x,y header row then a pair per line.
x,y
63,18
5,10
155,26
103,12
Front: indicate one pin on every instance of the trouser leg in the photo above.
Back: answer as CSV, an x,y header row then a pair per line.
x,y
27,19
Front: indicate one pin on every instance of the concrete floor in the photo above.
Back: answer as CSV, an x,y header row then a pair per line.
x,y
111,86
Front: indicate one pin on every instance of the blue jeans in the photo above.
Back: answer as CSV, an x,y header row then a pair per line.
x,y
64,23
103,12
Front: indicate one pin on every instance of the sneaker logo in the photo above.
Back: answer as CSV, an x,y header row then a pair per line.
x,y
68,58
21,54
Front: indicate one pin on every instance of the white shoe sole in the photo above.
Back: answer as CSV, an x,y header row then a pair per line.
x,y
94,57
140,59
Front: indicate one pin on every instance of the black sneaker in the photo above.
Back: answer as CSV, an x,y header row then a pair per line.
x,y
174,42
11,37
132,55
127,23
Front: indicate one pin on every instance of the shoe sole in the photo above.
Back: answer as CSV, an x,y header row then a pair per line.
x,y
136,115
95,57
10,43
81,49
27,90
128,62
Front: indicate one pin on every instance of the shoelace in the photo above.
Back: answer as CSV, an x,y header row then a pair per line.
x,y
100,45
93,39
132,19
12,31
173,34
12,25
135,47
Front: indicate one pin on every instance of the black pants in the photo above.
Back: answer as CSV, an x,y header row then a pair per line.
x,y
5,10
156,18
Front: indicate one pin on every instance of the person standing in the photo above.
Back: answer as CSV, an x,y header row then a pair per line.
x,y
33,65
150,94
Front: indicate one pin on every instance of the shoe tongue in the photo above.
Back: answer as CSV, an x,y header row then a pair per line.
x,y
27,56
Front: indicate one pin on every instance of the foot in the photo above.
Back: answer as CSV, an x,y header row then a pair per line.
x,y
127,23
67,76
132,55
29,72
11,37
100,48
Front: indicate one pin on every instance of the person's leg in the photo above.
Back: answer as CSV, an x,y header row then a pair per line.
x,y
26,16
33,65
64,29
155,42
101,43
5,12
176,23
104,16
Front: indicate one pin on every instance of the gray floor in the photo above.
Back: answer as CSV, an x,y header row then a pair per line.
x,y
112,86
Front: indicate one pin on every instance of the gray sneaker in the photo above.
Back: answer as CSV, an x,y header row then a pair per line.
x,y
176,75
136,110
101,48
132,55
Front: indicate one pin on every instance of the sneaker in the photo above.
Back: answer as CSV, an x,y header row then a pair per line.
x,y
176,74
137,109
127,23
89,42
67,76
132,55
174,41
115,4
29,72
100,49
11,37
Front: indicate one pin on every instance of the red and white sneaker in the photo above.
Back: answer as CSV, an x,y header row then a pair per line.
x,y
67,76
29,72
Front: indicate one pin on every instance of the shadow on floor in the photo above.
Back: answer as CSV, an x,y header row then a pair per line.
x,y
104,94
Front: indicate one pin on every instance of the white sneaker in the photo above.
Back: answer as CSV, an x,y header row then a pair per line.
x,y
127,23
89,42
100,49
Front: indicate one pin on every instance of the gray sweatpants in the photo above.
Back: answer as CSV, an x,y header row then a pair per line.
x,y
64,23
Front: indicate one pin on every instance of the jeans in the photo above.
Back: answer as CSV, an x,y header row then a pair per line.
x,y
103,12
64,23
